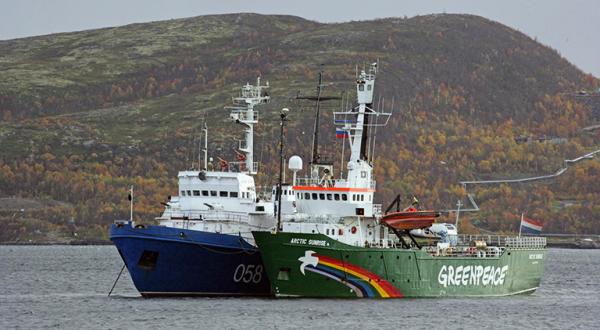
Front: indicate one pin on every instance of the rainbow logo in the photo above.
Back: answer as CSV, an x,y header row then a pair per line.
x,y
361,281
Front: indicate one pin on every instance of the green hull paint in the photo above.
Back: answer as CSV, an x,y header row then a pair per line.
x,y
410,273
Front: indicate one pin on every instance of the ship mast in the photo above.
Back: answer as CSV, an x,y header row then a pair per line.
x,y
364,95
355,123
315,145
315,156
244,114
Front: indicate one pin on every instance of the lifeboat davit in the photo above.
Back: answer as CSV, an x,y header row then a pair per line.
x,y
408,220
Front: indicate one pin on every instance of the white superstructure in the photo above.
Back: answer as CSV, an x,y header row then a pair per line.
x,y
224,200
342,208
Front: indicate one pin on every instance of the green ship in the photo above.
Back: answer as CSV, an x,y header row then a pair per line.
x,y
332,241
315,265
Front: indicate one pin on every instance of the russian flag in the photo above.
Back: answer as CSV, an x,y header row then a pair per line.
x,y
341,134
530,226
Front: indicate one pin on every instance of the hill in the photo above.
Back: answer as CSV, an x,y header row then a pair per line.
x,y
86,114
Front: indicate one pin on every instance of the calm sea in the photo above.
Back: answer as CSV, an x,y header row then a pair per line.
x,y
66,287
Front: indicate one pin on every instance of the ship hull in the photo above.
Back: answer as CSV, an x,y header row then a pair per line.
x,y
312,265
165,261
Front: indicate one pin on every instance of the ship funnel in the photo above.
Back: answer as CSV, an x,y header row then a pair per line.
x,y
295,165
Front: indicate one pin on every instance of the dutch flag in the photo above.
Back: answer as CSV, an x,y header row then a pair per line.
x,y
530,226
341,134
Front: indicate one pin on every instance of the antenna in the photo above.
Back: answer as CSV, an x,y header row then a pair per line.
x,y
131,206
205,129
200,153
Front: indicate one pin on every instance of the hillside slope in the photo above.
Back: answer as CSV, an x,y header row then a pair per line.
x,y
86,114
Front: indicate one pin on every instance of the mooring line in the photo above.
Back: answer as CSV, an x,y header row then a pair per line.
x,y
118,276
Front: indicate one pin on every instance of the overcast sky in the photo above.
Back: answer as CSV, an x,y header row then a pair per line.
x,y
572,27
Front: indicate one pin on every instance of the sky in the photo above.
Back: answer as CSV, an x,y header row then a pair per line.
x,y
570,26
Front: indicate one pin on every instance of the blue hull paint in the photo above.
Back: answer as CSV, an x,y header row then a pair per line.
x,y
166,261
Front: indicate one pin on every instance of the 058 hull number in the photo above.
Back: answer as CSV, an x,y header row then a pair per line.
x,y
248,273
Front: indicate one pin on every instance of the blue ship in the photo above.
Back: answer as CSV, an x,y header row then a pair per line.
x,y
164,261
203,244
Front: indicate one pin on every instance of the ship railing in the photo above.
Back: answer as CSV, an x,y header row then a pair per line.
x,y
377,210
523,242
465,251
241,114
337,183
240,167
526,242
382,243
208,215
495,240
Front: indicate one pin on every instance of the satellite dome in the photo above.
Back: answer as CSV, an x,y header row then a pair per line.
x,y
295,163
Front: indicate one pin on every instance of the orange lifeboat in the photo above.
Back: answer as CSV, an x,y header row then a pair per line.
x,y
408,220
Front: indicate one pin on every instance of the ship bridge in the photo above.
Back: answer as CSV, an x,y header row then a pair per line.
x,y
201,193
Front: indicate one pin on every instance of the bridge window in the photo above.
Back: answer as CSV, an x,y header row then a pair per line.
x,y
196,192
344,197
233,194
322,196
329,197
213,193
204,192
368,87
222,193
336,197
183,193
353,197
189,193
306,195
362,197
361,87
314,196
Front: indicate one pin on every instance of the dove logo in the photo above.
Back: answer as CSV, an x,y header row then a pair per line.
x,y
308,259
360,281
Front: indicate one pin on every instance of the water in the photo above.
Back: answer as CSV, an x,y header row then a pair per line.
x,y
66,287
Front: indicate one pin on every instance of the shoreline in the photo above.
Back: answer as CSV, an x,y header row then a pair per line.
x,y
569,246
74,243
